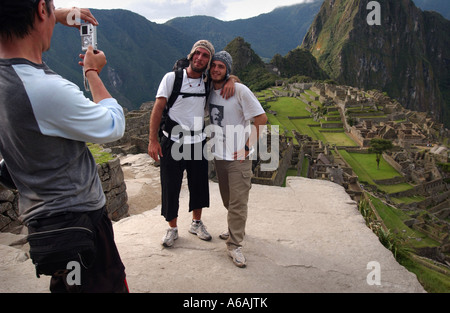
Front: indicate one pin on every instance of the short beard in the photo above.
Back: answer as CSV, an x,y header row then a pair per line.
x,y
196,69
219,81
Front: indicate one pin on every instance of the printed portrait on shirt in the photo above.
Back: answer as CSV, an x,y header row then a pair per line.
x,y
216,114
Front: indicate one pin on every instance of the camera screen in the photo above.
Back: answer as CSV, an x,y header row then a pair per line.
x,y
84,30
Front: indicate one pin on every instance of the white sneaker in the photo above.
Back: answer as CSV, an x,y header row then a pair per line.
x,y
170,236
237,256
224,235
199,229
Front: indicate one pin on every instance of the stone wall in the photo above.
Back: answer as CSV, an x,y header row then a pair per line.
x,y
135,139
8,210
115,189
113,184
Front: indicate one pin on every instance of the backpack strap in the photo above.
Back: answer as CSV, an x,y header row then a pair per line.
x,y
176,88
167,123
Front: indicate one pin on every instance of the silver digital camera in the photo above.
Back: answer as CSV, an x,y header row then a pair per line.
x,y
88,34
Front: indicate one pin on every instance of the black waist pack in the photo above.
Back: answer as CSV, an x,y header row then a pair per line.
x,y
55,242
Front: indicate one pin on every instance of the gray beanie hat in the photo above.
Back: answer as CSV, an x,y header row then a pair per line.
x,y
226,58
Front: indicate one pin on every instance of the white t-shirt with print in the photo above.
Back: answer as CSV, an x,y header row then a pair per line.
x,y
233,117
188,112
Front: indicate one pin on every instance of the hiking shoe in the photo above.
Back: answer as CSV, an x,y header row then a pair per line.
x,y
170,236
224,235
237,256
199,229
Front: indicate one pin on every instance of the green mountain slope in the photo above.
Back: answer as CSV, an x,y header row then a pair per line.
x,y
139,53
279,31
407,55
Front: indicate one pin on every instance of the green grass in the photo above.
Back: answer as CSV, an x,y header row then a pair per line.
x,y
310,92
394,220
100,156
339,139
368,161
365,167
301,125
358,168
407,200
285,107
389,189
433,281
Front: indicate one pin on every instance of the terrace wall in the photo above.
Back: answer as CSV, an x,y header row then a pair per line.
x,y
113,183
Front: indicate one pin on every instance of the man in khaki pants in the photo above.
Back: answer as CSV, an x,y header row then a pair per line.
x,y
232,144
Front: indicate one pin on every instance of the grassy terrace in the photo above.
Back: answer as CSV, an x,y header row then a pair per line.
x,y
100,156
364,165
292,107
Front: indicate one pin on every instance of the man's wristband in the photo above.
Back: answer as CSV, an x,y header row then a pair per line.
x,y
89,70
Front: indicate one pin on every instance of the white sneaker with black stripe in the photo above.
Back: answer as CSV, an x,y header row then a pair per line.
x,y
199,229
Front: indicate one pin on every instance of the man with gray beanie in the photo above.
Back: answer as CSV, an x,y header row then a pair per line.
x,y
232,143
187,111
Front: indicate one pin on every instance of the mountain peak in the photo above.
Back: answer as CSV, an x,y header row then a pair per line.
x,y
407,55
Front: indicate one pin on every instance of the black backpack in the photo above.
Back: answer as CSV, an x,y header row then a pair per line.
x,y
167,124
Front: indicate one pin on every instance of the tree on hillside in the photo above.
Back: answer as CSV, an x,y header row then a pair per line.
x,y
378,146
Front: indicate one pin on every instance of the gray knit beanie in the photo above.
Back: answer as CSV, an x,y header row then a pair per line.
x,y
226,58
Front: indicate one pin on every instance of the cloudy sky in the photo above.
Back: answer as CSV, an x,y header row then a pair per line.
x,y
160,11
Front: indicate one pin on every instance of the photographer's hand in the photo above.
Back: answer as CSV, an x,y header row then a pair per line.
x,y
93,59
71,16
93,63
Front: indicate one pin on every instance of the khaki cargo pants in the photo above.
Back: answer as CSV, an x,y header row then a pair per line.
x,y
235,184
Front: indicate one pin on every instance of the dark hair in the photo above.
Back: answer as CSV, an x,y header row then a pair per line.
x,y
17,17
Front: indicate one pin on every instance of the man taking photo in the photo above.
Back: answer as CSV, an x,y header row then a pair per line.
x,y
45,122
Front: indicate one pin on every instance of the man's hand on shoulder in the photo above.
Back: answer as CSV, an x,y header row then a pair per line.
x,y
229,88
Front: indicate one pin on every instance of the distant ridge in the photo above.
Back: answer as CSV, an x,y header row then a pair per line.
x,y
279,31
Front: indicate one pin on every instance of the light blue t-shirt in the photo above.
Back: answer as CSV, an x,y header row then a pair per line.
x,y
45,122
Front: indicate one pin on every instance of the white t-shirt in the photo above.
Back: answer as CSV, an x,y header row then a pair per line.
x,y
188,112
233,116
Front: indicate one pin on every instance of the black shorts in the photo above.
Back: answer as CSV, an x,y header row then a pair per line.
x,y
107,274
172,171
